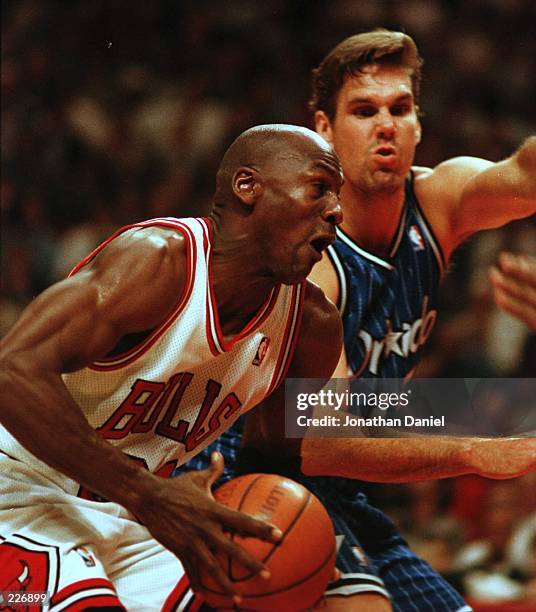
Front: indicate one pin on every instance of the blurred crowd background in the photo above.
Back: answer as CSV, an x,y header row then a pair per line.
x,y
115,111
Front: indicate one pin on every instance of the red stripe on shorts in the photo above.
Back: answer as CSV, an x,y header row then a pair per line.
x,y
98,601
177,595
80,586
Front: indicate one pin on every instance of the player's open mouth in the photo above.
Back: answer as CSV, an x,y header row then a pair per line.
x,y
385,157
385,151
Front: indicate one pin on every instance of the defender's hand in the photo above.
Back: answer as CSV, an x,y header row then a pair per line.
x,y
185,518
514,286
502,458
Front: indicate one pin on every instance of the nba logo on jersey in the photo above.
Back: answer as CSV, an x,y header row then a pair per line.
x,y
87,557
261,351
416,238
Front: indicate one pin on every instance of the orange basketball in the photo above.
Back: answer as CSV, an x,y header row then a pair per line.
x,y
301,564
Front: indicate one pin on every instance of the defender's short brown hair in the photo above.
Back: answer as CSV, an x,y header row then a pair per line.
x,y
378,46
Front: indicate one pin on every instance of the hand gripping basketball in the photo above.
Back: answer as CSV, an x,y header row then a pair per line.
x,y
300,565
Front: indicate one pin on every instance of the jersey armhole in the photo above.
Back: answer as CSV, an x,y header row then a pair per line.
x,y
341,278
127,357
291,334
427,228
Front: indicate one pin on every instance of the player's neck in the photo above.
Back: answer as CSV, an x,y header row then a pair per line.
x,y
372,220
240,290
238,296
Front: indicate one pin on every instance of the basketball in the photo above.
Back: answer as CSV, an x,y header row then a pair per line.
x,y
301,564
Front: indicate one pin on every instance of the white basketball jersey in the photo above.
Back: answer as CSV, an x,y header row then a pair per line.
x,y
167,398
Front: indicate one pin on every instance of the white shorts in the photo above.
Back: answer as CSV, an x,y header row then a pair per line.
x,y
82,553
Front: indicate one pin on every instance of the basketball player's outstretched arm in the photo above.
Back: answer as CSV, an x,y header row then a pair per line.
x,y
131,286
465,194
373,459
395,460
389,460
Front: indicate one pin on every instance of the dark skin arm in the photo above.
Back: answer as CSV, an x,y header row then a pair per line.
x,y
316,355
76,322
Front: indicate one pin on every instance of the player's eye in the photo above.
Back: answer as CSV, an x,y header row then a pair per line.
x,y
400,109
364,111
319,188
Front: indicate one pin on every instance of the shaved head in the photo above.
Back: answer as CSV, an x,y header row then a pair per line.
x,y
262,146
277,199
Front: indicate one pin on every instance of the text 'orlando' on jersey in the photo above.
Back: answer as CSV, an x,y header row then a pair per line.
x,y
172,394
388,305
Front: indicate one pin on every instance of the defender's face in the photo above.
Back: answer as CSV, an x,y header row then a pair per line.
x,y
375,129
303,203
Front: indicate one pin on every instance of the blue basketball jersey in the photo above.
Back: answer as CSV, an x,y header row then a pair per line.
x,y
388,306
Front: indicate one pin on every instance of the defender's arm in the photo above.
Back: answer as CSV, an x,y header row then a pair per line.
x,y
465,194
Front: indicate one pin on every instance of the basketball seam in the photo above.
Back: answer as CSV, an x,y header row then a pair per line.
x,y
286,587
254,597
233,535
294,584
306,502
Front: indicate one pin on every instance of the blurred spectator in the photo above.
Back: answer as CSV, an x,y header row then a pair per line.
x,y
521,556
499,564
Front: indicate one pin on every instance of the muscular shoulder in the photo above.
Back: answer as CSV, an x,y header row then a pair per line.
x,y
439,191
451,175
130,286
148,249
320,340
140,275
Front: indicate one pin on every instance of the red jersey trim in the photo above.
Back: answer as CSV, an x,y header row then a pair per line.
x,y
207,244
126,358
290,337
215,339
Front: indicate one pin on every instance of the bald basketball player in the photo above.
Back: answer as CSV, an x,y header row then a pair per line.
x,y
153,346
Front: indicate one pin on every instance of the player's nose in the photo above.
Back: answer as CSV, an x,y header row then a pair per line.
x,y
385,125
333,213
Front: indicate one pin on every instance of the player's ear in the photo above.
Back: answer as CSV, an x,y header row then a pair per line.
x,y
247,185
323,126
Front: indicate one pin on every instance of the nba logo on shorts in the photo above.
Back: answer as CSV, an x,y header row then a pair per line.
x,y
416,238
261,351
360,555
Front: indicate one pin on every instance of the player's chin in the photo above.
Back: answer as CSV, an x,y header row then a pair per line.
x,y
296,278
297,274
387,181
301,266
